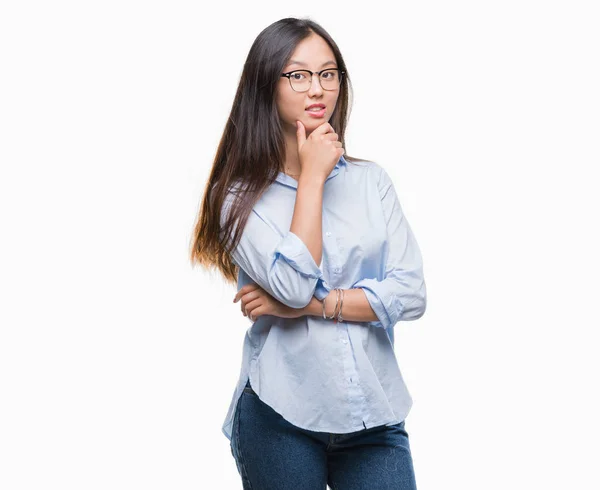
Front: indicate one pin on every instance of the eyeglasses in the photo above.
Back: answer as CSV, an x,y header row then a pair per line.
x,y
301,80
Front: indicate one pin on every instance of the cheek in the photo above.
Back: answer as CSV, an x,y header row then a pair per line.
x,y
289,107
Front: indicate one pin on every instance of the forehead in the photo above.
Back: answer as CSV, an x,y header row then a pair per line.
x,y
312,51
299,65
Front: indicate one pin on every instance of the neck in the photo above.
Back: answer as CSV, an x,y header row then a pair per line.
x,y
292,160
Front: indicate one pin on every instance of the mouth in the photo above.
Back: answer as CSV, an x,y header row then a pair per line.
x,y
317,110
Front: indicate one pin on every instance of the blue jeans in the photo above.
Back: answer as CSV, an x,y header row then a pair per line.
x,y
273,454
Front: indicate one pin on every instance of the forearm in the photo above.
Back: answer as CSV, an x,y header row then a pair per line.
x,y
355,308
307,219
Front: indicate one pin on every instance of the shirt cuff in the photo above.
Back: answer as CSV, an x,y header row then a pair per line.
x,y
295,252
383,301
322,289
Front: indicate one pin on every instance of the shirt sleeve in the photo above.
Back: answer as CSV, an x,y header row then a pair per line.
x,y
281,265
401,295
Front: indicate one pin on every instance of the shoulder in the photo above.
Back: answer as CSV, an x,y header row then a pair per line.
x,y
371,171
369,167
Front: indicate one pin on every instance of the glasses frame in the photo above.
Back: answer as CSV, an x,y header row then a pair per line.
x,y
289,74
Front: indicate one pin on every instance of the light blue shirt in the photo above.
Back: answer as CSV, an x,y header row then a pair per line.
x,y
317,374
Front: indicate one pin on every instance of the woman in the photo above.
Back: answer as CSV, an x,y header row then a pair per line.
x,y
326,265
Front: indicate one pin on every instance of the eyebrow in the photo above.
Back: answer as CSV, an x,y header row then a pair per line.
x,y
292,62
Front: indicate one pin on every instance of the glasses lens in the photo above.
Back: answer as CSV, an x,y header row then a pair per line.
x,y
330,80
301,80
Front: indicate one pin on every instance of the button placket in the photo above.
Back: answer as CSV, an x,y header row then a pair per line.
x,y
335,265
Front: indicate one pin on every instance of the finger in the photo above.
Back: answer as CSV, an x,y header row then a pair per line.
x,y
331,136
256,312
300,133
323,129
243,290
250,295
250,305
239,294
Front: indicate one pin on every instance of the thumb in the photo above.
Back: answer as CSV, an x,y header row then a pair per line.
x,y
300,133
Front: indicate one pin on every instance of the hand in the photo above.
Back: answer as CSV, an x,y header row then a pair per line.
x,y
319,152
257,302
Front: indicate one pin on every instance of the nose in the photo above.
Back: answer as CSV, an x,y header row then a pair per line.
x,y
315,86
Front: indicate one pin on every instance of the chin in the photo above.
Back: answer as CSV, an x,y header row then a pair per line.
x,y
314,122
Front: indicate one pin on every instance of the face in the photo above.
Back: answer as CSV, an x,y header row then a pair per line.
x,y
313,54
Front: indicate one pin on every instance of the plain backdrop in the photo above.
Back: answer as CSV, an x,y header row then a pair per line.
x,y
118,360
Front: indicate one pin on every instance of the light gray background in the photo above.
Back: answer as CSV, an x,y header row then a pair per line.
x,y
118,360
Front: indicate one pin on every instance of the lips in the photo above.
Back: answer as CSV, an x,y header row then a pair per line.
x,y
317,112
315,107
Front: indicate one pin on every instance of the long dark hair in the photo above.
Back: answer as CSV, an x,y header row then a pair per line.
x,y
252,147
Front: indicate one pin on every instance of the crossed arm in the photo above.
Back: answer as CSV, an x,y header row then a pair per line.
x,y
356,306
255,301
286,267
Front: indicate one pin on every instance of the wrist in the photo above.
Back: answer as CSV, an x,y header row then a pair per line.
x,y
311,178
329,303
335,305
314,307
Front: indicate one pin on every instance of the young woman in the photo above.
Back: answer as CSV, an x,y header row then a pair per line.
x,y
326,264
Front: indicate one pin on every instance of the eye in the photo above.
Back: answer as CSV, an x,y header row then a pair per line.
x,y
297,75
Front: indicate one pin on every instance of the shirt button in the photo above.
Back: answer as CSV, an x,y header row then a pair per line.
x,y
345,341
336,269
328,233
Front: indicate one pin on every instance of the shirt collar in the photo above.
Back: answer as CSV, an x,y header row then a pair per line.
x,y
285,179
